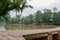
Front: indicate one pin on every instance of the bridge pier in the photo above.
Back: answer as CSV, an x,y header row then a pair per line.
x,y
53,36
50,37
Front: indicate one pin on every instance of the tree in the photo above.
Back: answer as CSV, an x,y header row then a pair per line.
x,y
30,18
7,19
38,17
13,20
18,17
47,15
27,19
24,20
56,18
54,9
7,5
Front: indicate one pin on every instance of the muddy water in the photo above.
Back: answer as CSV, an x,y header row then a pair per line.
x,y
26,27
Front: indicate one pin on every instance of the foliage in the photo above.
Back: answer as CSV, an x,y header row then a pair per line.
x,y
47,17
31,18
56,18
38,16
7,5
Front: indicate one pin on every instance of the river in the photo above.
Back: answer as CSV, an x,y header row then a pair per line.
x,y
24,27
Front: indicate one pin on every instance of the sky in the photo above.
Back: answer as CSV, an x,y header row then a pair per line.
x,y
38,5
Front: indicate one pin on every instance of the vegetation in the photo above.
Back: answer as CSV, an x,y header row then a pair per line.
x,y
8,5
43,17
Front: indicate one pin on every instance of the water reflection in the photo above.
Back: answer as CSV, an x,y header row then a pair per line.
x,y
2,28
25,26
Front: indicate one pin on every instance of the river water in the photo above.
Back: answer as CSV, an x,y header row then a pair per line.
x,y
24,27
2,28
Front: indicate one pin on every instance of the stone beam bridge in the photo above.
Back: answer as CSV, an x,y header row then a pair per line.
x,y
38,34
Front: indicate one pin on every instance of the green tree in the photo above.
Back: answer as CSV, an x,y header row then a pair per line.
x,y
27,19
31,18
7,5
18,17
47,15
54,9
24,20
7,19
56,18
38,16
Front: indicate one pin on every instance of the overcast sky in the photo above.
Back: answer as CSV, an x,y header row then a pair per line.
x,y
38,5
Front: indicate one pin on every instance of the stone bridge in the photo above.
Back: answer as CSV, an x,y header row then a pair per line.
x,y
38,34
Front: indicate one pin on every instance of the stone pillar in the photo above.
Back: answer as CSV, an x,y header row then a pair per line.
x,y
50,37
59,36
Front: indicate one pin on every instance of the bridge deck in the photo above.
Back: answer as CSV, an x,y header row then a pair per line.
x,y
27,32
17,34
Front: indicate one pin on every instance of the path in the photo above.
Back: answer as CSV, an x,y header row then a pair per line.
x,y
18,34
